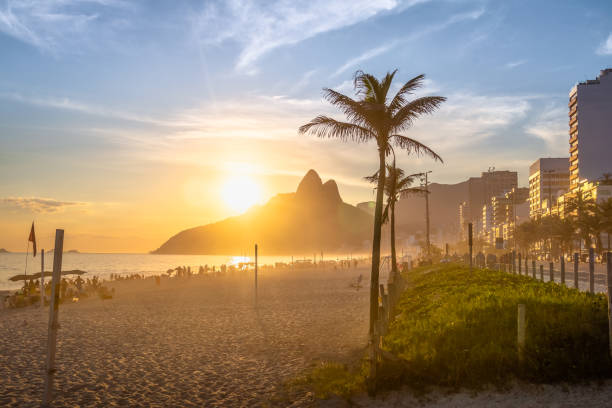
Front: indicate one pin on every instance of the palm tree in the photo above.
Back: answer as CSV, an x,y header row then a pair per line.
x,y
582,211
605,212
395,185
372,117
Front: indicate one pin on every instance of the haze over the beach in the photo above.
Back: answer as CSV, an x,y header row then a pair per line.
x,y
126,122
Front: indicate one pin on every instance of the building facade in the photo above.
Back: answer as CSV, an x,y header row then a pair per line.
x,y
548,180
590,123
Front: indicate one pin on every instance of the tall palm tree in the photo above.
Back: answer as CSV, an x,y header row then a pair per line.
x,y
395,185
373,117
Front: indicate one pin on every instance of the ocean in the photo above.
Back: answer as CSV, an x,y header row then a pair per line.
x,y
102,265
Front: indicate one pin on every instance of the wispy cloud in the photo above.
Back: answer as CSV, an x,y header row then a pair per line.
x,y
514,64
382,49
605,48
46,24
69,104
551,126
262,27
40,205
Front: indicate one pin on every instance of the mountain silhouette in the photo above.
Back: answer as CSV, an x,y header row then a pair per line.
x,y
313,219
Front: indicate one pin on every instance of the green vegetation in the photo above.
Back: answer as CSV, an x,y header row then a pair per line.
x,y
455,328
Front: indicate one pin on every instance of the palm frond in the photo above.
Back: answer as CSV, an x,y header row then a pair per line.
x,y
413,146
355,111
324,126
367,85
399,99
405,116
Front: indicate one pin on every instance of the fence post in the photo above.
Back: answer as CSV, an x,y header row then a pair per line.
x,y
526,266
521,331
533,268
255,274
609,268
520,263
53,317
551,272
542,272
591,270
562,263
470,243
576,262
42,278
513,261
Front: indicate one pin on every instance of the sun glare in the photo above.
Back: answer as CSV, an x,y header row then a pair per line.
x,y
241,193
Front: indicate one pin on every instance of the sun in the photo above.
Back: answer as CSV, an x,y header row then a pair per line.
x,y
241,193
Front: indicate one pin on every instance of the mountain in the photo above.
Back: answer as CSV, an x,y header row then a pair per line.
x,y
313,219
4,251
444,200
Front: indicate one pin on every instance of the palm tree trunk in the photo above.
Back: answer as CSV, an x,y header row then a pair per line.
x,y
376,241
393,253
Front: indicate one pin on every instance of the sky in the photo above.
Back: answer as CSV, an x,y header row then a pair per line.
x,y
124,122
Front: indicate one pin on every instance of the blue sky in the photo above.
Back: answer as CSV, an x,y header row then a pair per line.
x,y
132,113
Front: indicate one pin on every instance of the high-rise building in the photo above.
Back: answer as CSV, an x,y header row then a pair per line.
x,y
490,184
548,180
590,122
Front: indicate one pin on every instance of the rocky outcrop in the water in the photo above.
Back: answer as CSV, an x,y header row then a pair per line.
x,y
313,219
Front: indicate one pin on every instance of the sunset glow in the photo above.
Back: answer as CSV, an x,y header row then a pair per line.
x,y
241,193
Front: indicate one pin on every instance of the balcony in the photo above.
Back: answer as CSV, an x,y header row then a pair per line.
x,y
573,148
573,139
573,110
573,167
573,130
572,101
573,120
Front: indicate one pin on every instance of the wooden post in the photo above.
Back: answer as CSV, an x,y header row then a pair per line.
x,y
526,266
255,273
42,278
551,272
562,263
591,270
521,332
542,272
609,267
470,243
53,317
520,263
533,268
513,261
576,262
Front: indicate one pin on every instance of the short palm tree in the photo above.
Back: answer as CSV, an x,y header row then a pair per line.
x,y
605,213
373,117
396,184
582,210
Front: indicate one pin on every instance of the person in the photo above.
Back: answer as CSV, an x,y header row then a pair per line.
x,y
79,283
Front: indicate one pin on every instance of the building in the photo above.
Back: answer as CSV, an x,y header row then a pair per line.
x,y
490,184
548,180
590,122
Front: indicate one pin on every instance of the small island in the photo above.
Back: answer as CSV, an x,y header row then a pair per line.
x,y
72,251
4,251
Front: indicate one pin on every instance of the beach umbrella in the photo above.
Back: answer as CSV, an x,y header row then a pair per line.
x,y
47,273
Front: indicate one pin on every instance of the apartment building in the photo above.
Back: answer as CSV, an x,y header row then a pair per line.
x,y
548,180
590,122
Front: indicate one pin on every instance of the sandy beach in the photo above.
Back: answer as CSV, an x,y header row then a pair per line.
x,y
189,342
200,341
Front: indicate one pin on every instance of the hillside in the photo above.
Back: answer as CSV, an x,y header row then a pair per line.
x,y
311,220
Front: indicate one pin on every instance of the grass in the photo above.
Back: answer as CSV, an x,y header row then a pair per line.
x,y
458,329
455,328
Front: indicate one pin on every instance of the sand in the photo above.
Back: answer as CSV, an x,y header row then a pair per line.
x,y
189,342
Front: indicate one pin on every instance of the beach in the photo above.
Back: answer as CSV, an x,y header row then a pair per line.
x,y
198,341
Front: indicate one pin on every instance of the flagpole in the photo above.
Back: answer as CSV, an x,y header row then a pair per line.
x,y
25,281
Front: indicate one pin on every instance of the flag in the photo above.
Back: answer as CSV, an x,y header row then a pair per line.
x,y
32,238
